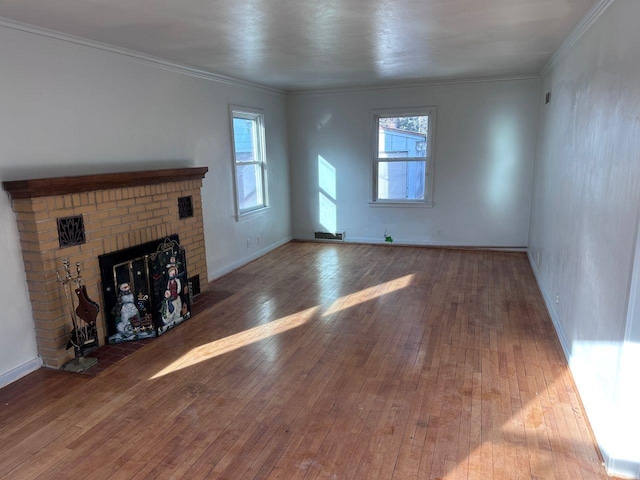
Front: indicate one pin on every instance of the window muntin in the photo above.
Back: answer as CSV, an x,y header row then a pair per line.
x,y
249,160
403,155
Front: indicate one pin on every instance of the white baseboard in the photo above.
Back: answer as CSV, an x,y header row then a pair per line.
x,y
622,468
20,371
412,243
554,318
215,274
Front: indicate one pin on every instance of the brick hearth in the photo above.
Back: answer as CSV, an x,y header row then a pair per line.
x,y
119,211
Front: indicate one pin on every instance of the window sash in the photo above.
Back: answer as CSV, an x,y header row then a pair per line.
x,y
259,160
404,189
402,159
427,159
258,192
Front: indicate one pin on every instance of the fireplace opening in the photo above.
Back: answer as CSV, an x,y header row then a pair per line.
x,y
145,289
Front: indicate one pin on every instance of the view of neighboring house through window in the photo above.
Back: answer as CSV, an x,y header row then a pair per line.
x,y
249,159
403,155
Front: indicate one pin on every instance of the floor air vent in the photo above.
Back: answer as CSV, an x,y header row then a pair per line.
x,y
329,236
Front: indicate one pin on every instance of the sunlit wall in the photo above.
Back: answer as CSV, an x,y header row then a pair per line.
x,y
584,223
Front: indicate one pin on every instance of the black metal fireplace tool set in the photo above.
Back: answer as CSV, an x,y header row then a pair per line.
x,y
83,335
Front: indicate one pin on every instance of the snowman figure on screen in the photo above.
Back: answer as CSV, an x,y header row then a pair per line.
x,y
172,304
125,311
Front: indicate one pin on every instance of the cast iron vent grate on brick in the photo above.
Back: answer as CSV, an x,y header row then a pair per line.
x,y
185,207
194,285
71,231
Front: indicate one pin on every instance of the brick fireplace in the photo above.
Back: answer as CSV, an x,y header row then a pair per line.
x,y
116,211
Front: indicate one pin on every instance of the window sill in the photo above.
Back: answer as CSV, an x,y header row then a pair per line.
x,y
252,213
382,204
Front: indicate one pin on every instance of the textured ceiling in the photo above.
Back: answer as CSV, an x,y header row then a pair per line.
x,y
304,44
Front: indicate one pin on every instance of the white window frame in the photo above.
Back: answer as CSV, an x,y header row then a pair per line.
x,y
257,116
376,115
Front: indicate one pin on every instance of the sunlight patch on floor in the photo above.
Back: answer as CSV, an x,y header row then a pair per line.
x,y
238,340
276,327
368,294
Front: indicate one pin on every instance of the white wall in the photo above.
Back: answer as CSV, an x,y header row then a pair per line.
x,y
584,220
70,109
485,141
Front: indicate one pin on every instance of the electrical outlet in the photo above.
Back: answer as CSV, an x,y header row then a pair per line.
x,y
557,298
248,242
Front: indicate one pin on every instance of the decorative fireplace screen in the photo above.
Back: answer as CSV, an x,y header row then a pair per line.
x,y
145,290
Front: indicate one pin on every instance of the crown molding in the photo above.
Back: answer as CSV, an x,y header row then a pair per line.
x,y
427,83
141,57
589,19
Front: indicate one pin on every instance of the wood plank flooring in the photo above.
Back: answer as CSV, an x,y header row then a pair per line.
x,y
325,361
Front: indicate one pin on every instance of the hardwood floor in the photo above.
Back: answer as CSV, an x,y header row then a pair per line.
x,y
325,361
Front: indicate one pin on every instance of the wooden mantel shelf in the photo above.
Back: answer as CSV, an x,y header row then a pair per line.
x,y
45,187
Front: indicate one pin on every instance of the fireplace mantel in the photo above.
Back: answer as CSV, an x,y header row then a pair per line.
x,y
45,187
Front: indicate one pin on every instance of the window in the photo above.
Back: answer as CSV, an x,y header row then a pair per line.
x,y
249,160
403,156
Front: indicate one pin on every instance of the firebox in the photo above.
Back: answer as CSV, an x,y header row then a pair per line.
x,y
145,289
